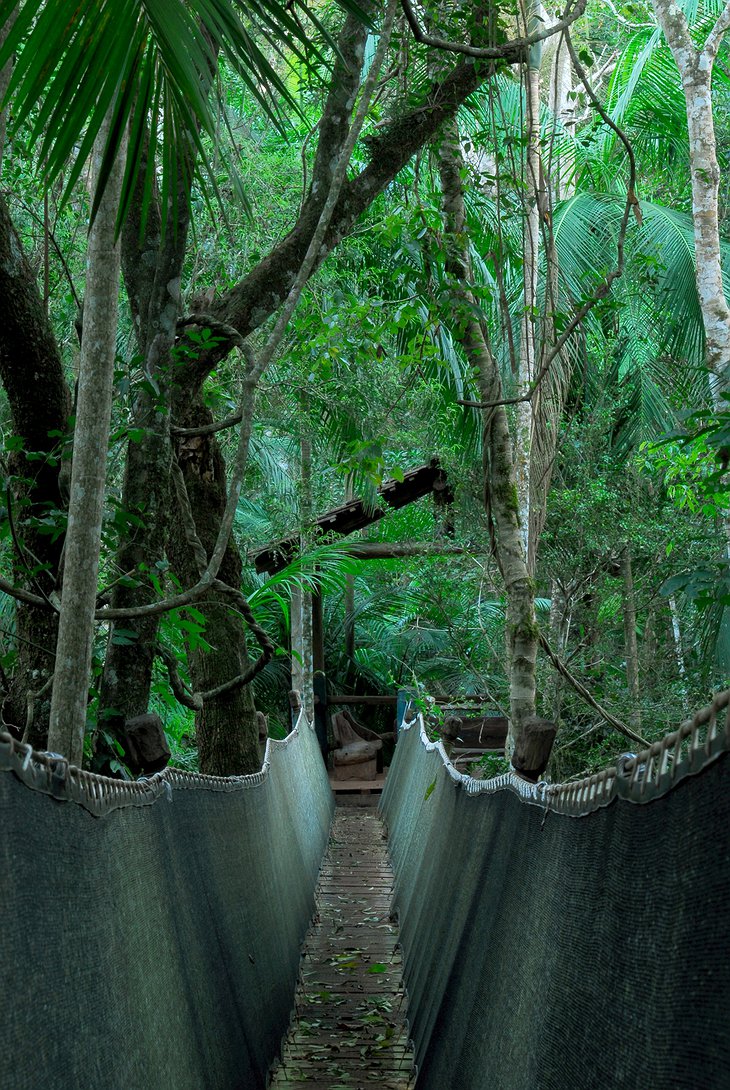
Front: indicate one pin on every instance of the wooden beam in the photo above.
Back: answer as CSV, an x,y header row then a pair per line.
x,y
354,515
453,701
384,700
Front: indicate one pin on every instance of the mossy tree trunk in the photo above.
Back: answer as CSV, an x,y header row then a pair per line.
x,y
225,727
152,267
40,403
499,470
527,368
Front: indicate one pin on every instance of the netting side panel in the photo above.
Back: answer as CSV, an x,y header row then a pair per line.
x,y
157,946
547,952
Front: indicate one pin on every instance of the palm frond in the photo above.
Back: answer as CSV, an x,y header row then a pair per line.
x,y
147,64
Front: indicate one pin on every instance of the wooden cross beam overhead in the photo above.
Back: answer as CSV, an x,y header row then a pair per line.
x,y
307,634
354,515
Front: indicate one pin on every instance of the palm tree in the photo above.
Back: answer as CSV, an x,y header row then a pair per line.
x,y
146,66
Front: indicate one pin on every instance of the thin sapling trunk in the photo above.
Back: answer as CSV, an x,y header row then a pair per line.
x,y
88,474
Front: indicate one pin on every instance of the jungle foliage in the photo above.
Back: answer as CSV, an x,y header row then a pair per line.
x,y
234,140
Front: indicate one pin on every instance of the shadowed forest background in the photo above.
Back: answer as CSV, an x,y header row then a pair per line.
x,y
351,240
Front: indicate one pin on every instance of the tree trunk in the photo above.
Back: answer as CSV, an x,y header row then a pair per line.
x,y
32,375
152,267
695,69
349,619
70,692
226,728
630,642
559,630
548,402
295,631
563,108
530,268
679,651
500,483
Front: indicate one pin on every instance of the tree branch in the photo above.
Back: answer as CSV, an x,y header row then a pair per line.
x,y
181,692
251,302
515,50
714,38
584,693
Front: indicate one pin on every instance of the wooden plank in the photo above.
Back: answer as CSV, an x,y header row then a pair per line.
x,y
351,970
365,787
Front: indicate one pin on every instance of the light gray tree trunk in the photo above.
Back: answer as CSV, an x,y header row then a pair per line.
x,y
562,164
295,628
695,68
88,474
679,650
531,244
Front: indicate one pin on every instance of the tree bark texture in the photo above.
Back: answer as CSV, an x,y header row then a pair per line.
x,y
88,473
40,404
530,268
152,266
679,650
547,403
500,483
295,633
563,106
695,69
226,727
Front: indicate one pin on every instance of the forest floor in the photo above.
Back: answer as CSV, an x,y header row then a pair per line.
x,y
349,1030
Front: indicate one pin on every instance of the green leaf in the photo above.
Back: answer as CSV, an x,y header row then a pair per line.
x,y
429,790
147,63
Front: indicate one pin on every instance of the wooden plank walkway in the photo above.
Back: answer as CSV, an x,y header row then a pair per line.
x,y
349,1028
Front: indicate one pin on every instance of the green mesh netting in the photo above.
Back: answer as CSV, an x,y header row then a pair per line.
x,y
554,952
156,947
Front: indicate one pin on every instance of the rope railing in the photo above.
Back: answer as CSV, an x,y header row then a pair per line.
x,y
53,775
637,778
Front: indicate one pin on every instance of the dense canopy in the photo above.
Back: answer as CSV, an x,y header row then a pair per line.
x,y
260,262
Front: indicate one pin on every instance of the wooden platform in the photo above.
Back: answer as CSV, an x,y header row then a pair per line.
x,y
367,787
349,1030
